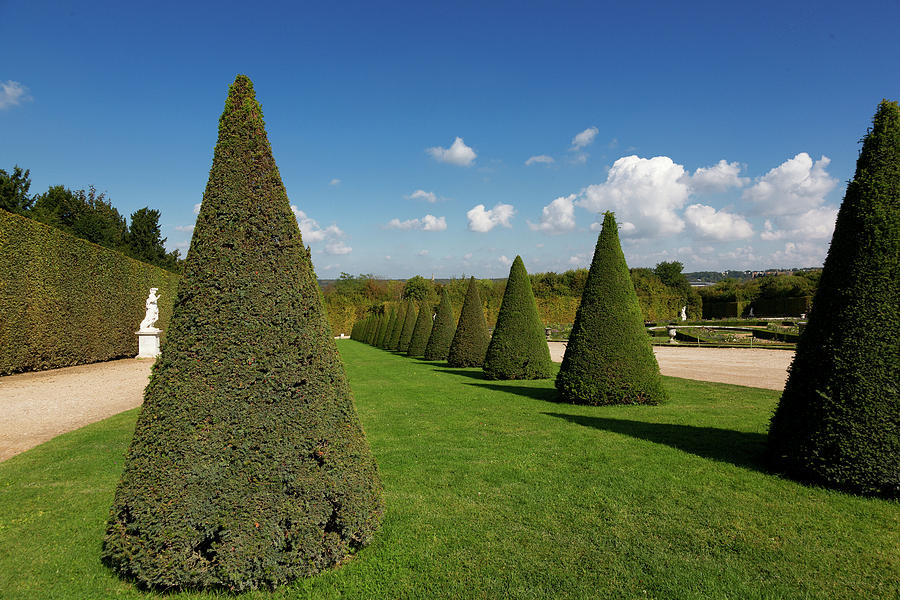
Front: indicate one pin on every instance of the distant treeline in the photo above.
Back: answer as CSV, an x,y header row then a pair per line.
x,y
89,216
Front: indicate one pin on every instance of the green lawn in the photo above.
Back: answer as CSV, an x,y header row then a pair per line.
x,y
493,490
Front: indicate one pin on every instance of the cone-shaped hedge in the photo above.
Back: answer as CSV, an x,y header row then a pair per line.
x,y
421,331
394,340
471,339
609,359
838,421
442,330
373,329
409,323
248,466
386,321
518,348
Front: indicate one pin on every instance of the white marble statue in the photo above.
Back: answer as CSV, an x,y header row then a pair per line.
x,y
751,312
152,312
684,313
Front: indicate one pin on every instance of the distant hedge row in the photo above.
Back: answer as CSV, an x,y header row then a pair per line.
x,y
65,301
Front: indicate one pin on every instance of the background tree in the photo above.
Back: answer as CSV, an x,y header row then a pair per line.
x,y
248,466
838,421
416,288
471,339
518,347
422,330
14,190
145,242
670,273
442,330
609,359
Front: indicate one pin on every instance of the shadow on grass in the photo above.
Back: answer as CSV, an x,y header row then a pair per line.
x,y
542,393
462,373
739,448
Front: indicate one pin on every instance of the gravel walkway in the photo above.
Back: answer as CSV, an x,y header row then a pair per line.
x,y
35,407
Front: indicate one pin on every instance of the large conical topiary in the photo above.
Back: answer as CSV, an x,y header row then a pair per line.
x,y
409,323
383,327
609,359
421,331
838,421
248,466
442,330
471,339
393,341
518,348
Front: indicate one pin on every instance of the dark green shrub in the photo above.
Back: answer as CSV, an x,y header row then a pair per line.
x,y
409,323
421,331
394,341
65,301
518,347
609,358
248,466
838,421
471,339
442,330
383,326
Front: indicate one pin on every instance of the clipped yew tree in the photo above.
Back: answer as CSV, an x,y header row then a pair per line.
x,y
518,347
838,421
409,323
609,358
442,330
382,329
470,341
421,331
248,467
392,340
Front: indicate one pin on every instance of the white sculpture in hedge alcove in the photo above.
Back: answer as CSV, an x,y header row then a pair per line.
x,y
148,335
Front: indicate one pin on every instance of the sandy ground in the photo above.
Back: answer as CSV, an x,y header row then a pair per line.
x,y
752,367
35,407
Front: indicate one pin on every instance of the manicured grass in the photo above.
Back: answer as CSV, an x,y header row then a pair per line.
x,y
493,490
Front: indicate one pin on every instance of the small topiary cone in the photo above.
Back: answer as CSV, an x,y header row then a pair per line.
x,y
442,330
471,339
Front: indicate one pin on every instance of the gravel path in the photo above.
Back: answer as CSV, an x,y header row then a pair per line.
x,y
35,407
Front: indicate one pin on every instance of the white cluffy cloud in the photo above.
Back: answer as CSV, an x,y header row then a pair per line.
x,y
814,224
585,138
712,224
184,228
197,208
457,154
504,260
334,181
644,193
539,159
558,216
313,233
426,223
423,195
13,93
717,178
793,187
482,220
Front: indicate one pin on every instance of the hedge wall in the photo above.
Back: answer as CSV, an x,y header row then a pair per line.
x,y
65,301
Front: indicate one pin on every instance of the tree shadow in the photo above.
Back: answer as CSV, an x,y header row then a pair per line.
x,y
461,372
739,448
538,393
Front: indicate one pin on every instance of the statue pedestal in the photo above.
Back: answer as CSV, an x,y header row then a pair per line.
x,y
148,344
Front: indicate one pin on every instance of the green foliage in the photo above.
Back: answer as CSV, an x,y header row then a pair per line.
x,y
393,341
65,301
518,347
248,467
838,421
442,330
421,331
144,240
409,323
14,190
385,325
471,339
609,359
416,289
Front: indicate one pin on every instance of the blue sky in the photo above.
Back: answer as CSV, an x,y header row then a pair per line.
x,y
420,139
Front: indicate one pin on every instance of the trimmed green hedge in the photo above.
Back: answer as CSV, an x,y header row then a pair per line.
x,y
471,339
65,301
442,330
765,334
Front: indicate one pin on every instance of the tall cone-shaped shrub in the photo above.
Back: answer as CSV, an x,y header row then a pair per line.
x,y
609,359
518,348
248,466
838,421
421,331
471,339
382,329
373,329
442,330
394,341
409,323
